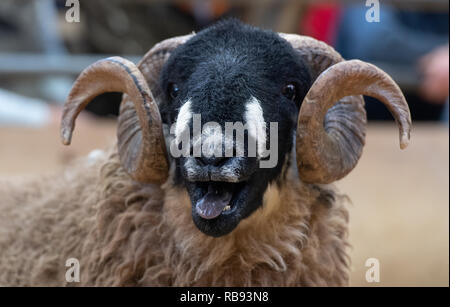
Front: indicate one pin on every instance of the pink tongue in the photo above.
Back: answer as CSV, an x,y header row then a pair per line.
x,y
212,204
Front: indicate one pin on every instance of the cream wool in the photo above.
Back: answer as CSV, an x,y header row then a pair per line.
x,y
128,233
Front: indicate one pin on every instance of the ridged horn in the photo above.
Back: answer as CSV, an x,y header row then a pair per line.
x,y
144,157
141,141
327,152
332,120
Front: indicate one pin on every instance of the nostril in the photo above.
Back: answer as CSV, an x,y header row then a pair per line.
x,y
213,161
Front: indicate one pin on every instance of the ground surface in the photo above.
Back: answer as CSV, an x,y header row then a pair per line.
x,y
400,211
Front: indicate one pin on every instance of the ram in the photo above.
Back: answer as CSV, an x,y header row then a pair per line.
x,y
140,215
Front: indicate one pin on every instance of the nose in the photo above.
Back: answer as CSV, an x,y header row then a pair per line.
x,y
212,161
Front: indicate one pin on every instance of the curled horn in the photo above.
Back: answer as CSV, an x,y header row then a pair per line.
x,y
331,122
325,155
144,155
141,143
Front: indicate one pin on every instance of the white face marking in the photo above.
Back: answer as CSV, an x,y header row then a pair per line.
x,y
210,140
183,119
227,172
254,120
191,167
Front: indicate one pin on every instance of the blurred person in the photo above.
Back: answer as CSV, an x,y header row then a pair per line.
x,y
434,67
320,21
401,38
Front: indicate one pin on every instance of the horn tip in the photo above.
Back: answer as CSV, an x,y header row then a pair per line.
x,y
404,140
66,136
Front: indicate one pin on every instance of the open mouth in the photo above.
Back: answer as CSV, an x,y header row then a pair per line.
x,y
215,199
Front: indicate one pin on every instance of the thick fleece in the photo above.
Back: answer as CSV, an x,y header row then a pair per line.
x,y
128,233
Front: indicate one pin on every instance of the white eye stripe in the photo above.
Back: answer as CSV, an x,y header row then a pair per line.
x,y
255,122
183,119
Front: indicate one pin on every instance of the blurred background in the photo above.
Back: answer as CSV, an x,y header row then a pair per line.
x,y
400,200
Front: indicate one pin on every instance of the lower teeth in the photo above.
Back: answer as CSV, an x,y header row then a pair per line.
x,y
227,208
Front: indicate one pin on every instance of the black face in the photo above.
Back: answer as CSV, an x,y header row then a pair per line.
x,y
219,72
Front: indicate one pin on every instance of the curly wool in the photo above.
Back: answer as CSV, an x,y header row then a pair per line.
x,y
126,233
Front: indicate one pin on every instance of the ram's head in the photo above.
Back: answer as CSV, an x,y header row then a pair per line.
x,y
281,93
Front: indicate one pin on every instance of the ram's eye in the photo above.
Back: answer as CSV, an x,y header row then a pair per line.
x,y
289,91
174,90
